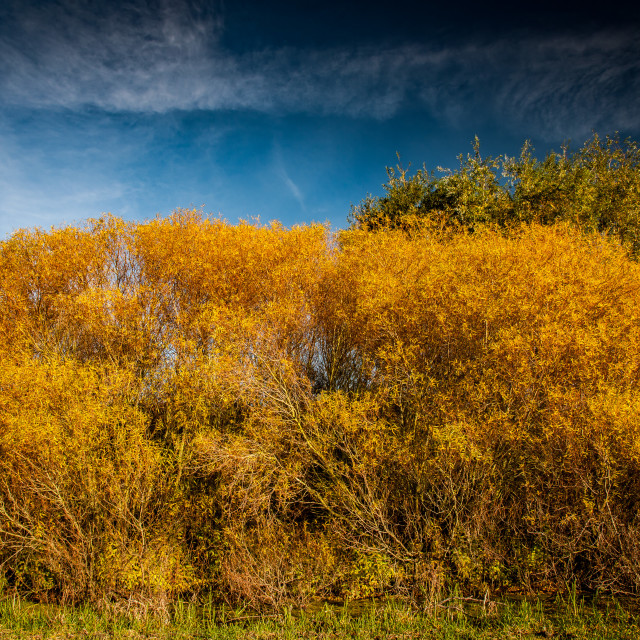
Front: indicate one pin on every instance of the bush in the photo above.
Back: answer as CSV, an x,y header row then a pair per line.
x,y
272,415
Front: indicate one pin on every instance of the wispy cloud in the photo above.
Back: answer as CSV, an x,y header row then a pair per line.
x,y
281,171
293,188
172,58
571,85
31,194
59,170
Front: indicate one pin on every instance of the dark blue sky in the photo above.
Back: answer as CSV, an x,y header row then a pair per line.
x,y
287,110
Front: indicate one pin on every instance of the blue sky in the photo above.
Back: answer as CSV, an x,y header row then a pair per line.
x,y
287,110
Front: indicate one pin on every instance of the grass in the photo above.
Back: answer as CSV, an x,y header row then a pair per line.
x,y
564,619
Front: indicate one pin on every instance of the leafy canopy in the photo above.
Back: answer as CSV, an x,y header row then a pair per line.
x,y
596,188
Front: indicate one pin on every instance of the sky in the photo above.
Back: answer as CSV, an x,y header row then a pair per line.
x,y
288,111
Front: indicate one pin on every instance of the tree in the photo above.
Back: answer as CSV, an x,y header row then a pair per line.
x,y
597,188
460,199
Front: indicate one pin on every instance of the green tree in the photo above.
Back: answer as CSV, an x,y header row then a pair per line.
x,y
474,194
597,188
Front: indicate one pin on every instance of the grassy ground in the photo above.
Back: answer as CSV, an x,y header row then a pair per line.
x,y
569,619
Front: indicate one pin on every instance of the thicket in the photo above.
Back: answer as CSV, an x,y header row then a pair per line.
x,y
269,415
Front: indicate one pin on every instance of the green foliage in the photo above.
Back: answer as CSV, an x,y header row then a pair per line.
x,y
462,199
596,187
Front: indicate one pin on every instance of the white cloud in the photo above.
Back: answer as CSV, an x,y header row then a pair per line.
x,y
572,85
171,59
293,188
282,172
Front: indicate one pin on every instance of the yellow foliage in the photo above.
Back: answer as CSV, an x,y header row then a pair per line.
x,y
182,396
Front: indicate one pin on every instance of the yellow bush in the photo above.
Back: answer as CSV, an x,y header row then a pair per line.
x,y
189,405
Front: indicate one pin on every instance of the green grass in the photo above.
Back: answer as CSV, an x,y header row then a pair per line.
x,y
563,619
